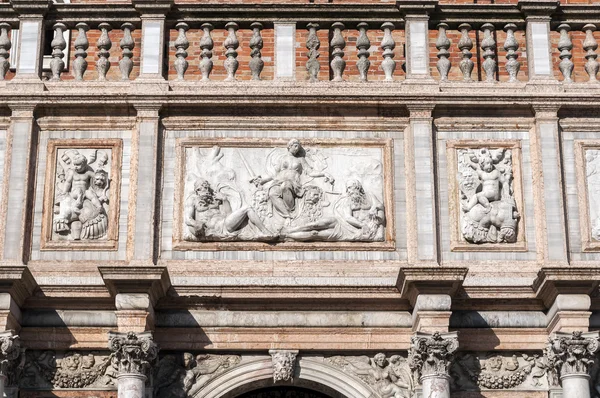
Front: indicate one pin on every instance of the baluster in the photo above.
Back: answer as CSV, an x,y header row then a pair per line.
x,y
126,44
206,44
58,45
489,48
465,44
104,44
443,44
511,45
181,44
565,45
4,47
256,44
590,45
338,44
387,43
81,45
313,44
231,44
363,44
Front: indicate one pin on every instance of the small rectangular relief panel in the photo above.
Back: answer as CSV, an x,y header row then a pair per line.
x,y
285,50
271,194
587,162
81,195
485,196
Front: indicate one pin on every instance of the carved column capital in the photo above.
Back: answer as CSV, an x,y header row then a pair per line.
x,y
10,355
572,354
135,353
284,364
432,354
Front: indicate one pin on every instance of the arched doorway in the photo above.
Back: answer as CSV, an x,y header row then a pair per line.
x,y
283,392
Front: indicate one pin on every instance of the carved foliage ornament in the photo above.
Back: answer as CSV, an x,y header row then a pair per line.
x,y
284,362
180,376
432,354
389,377
571,354
10,356
134,353
488,207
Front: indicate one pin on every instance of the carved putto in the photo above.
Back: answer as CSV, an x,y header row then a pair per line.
x,y
571,354
81,196
283,194
489,211
390,377
498,371
71,370
183,376
284,362
432,354
134,353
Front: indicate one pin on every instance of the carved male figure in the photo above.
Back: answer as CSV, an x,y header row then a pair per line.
x,y
310,223
363,214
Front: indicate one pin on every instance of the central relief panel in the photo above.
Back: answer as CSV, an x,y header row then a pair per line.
x,y
244,193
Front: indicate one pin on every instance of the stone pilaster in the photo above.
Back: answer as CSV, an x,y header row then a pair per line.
x,y
570,357
135,355
430,357
539,50
11,354
416,16
569,313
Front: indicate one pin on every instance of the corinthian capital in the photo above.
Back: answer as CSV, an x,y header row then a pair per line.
x,y
134,352
431,355
10,352
570,354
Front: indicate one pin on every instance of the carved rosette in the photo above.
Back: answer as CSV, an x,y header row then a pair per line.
x,y
565,45
104,44
432,355
256,44
489,50
465,44
126,44
10,354
511,45
134,353
590,45
338,44
363,43
58,45
572,354
4,47
313,44
387,43
206,44
81,45
181,44
284,363
231,44
443,44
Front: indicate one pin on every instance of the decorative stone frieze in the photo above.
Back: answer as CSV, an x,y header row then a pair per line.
x,y
313,44
11,356
54,370
181,44
565,45
443,44
58,45
389,377
81,45
338,44
231,44
465,44
294,193
363,44
488,44
183,375
126,44
284,364
133,353
104,44
388,44
206,44
82,187
430,358
256,44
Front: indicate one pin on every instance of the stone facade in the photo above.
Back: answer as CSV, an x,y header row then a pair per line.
x,y
346,200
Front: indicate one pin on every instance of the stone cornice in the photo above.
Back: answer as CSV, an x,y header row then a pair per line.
x,y
151,280
430,280
17,281
565,280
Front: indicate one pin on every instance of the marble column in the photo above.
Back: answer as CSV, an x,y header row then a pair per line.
x,y
430,357
10,353
135,354
570,357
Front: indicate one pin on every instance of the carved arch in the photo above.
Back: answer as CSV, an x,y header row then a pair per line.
x,y
308,369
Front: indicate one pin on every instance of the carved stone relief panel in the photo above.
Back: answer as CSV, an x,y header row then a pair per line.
x,y
54,370
81,195
587,159
485,196
474,371
278,194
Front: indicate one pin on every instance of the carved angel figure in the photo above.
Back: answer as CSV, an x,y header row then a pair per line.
x,y
391,378
489,213
81,196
